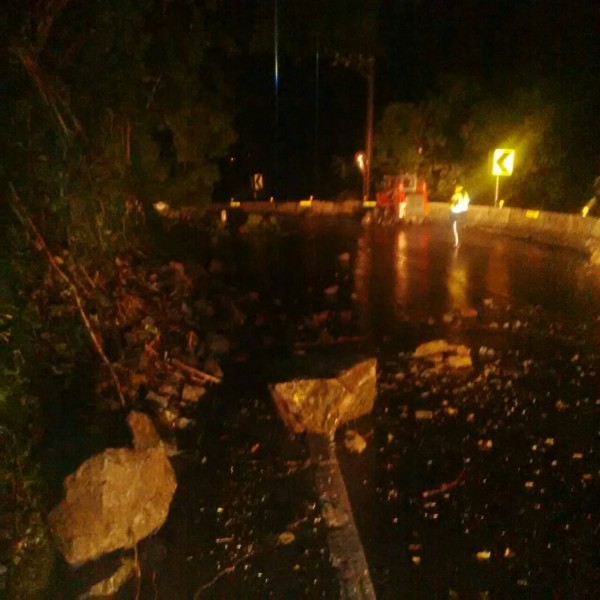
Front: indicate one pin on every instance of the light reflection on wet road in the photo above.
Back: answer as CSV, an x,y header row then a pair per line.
x,y
532,398
415,272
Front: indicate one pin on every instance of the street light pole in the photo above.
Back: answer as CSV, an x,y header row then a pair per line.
x,y
365,65
369,135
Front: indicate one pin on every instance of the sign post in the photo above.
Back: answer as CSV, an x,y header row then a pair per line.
x,y
257,184
502,166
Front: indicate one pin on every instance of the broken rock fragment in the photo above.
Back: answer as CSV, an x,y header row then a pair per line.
x,y
442,353
111,585
354,442
321,405
144,433
192,393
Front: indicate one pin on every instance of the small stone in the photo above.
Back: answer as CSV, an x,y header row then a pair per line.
x,y
461,361
167,389
162,401
192,393
218,344
335,517
354,442
144,433
423,415
167,417
286,538
485,444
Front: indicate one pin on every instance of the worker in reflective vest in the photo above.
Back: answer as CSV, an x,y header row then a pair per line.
x,y
593,201
459,204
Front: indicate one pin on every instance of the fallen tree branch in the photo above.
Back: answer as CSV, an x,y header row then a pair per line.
x,y
297,523
48,92
201,375
26,221
222,573
87,277
43,17
444,487
350,339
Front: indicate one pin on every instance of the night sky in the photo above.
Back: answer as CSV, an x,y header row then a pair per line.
x,y
497,45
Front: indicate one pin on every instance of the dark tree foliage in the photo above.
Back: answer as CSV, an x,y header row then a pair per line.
x,y
290,130
518,63
111,102
527,81
106,106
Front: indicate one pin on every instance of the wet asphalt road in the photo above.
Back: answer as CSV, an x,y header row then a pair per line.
x,y
517,438
495,494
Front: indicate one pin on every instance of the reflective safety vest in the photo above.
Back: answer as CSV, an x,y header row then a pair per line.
x,y
459,202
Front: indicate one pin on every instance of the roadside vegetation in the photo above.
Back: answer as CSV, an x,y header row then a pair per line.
x,y
110,107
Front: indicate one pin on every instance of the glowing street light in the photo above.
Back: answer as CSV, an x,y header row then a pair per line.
x,y
365,64
361,161
161,207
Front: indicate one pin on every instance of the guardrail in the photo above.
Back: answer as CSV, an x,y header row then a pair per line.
x,y
557,229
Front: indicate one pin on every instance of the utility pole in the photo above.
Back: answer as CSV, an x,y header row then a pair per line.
x,y
365,65
370,72
275,189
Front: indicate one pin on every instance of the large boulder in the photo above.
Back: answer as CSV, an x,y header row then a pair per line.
x,y
321,405
113,500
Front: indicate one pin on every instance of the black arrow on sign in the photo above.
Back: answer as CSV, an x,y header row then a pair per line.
x,y
500,161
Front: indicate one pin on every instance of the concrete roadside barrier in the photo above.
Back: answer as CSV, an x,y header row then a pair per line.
x,y
557,229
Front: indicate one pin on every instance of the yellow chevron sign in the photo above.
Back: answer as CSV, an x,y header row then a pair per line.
x,y
504,160
257,182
